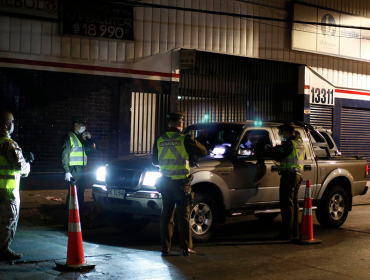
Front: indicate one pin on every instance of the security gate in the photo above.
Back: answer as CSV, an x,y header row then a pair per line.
x,y
148,120
230,88
355,132
321,116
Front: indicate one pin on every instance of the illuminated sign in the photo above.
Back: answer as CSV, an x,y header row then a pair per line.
x,y
98,19
352,43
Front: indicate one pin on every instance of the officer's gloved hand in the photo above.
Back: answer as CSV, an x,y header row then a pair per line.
x,y
68,176
28,156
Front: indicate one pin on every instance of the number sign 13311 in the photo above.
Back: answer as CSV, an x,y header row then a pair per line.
x,y
322,96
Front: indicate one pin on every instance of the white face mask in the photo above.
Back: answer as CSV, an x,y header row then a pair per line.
x,y
82,129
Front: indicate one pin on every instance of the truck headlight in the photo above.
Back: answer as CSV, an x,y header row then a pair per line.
x,y
100,173
151,177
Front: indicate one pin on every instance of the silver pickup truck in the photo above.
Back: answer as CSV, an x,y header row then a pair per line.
x,y
236,177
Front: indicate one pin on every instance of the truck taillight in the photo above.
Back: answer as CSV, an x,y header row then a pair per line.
x,y
366,170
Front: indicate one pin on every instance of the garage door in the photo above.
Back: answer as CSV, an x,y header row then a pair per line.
x,y
321,116
355,132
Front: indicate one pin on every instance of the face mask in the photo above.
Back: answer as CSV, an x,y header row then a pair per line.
x,y
81,129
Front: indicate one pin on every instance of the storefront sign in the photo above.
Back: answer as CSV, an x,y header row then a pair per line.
x,y
35,8
98,19
352,43
187,59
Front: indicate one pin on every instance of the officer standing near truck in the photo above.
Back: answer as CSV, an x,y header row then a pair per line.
x,y
172,151
290,155
77,145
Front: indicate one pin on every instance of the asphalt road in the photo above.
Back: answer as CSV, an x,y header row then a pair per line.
x,y
241,249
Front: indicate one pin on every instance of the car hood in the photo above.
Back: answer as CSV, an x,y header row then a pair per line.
x,y
145,162
134,162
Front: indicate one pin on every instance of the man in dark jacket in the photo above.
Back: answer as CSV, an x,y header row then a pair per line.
x,y
291,155
172,151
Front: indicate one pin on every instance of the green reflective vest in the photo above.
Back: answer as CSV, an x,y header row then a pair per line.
x,y
172,156
77,155
295,160
9,178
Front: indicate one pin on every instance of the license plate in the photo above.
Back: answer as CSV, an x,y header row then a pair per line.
x,y
113,193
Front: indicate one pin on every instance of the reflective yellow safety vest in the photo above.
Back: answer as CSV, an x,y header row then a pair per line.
x,y
77,155
295,160
173,159
9,178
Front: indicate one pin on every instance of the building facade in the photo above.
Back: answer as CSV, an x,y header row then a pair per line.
x,y
126,64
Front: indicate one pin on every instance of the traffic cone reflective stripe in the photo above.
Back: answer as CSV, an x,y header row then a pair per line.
x,y
75,250
306,229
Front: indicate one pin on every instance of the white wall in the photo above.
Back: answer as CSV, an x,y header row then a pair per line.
x,y
160,30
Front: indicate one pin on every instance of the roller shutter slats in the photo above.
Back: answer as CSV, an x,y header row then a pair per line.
x,y
355,132
321,116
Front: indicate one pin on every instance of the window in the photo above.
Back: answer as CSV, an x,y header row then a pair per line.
x,y
254,142
217,138
328,140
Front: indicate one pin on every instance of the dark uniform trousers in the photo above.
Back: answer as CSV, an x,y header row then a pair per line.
x,y
79,173
174,200
289,187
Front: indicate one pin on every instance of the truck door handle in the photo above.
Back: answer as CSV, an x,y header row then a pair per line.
x,y
307,168
274,168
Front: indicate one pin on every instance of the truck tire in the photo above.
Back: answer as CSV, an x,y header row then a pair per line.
x,y
266,216
203,217
127,224
333,208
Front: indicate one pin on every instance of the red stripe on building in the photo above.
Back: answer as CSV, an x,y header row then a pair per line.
x,y
352,92
86,67
306,87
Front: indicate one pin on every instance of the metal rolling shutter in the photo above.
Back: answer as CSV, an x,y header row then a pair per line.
x,y
321,116
355,132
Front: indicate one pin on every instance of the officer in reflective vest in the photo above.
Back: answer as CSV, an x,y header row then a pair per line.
x,y
171,151
12,166
291,156
77,144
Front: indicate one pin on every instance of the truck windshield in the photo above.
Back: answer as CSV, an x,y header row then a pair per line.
x,y
217,138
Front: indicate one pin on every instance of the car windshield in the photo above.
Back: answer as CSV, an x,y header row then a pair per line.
x,y
217,138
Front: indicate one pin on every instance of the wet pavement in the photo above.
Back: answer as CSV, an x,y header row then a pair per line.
x,y
241,249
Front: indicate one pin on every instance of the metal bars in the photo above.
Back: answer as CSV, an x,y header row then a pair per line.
x,y
229,88
148,119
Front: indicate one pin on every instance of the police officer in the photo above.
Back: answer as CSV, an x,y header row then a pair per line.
x,y
77,144
12,166
171,151
290,155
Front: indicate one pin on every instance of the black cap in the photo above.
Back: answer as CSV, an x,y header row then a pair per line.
x,y
287,126
81,120
176,115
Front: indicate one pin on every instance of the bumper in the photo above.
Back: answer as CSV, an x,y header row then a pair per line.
x,y
143,203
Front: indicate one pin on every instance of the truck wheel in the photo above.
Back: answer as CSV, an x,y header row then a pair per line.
x,y
266,216
203,217
127,224
332,210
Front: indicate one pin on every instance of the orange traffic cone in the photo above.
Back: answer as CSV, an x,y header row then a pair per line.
x,y
306,229
75,250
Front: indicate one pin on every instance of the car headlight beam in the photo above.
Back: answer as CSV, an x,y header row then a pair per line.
x,y
100,173
150,178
